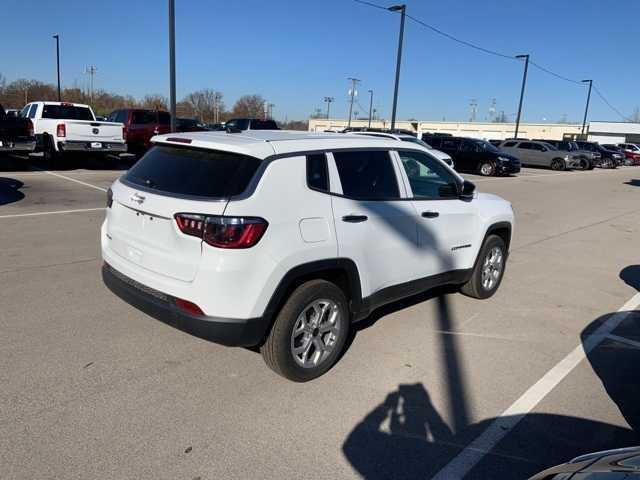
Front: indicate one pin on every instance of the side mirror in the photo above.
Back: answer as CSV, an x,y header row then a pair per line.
x,y
467,190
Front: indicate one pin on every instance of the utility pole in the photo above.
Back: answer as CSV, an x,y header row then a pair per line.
x,y
402,9
57,37
586,109
172,63
270,110
524,82
370,106
352,93
473,107
90,70
328,101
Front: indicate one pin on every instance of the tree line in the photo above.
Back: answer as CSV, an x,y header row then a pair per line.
x,y
206,105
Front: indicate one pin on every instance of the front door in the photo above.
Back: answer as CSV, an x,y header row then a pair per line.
x,y
375,226
447,225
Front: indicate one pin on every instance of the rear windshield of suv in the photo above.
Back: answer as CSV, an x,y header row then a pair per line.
x,y
193,172
67,112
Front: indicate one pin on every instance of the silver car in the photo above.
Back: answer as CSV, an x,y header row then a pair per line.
x,y
540,154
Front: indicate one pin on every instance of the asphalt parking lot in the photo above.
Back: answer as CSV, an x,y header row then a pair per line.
x,y
442,385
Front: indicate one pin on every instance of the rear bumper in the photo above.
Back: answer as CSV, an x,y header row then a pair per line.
x,y
78,146
226,331
18,146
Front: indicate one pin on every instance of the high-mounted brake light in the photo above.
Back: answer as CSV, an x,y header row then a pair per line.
x,y
179,140
61,130
223,232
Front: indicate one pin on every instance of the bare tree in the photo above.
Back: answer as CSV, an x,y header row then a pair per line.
x,y
249,106
155,102
206,104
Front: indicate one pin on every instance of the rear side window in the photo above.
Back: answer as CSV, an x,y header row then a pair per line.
x,y
164,118
67,112
193,172
33,110
317,172
509,144
264,125
143,118
367,175
526,146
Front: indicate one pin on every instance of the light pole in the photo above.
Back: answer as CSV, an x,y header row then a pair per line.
x,y
57,37
370,106
402,9
352,93
328,101
524,82
172,63
586,109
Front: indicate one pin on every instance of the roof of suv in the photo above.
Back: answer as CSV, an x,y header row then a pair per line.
x,y
265,143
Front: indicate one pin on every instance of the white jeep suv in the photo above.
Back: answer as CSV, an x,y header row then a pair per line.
x,y
283,239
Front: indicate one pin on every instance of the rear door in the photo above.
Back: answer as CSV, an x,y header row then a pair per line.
x,y
143,123
527,154
447,226
141,225
375,226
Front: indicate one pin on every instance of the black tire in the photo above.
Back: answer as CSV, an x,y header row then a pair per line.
x,y
277,351
474,287
585,164
487,168
51,156
591,166
558,164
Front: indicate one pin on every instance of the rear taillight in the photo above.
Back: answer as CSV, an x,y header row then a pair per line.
x,y
124,133
30,128
61,130
109,198
223,232
189,307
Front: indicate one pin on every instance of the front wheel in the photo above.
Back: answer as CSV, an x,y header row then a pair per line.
x,y
487,169
558,164
309,333
488,270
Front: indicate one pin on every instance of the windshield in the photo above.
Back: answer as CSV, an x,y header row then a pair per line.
x,y
549,146
415,140
484,145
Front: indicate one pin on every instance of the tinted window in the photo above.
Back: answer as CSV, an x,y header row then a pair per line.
x,y
526,145
184,171
67,112
240,124
33,110
468,147
23,112
415,140
537,146
509,144
427,177
367,175
164,118
113,116
143,117
450,144
317,172
263,125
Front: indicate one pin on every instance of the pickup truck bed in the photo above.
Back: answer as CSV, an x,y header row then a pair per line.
x,y
16,134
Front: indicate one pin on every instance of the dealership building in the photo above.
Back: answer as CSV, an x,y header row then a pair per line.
x,y
603,132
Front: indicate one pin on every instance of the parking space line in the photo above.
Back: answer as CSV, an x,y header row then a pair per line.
x,y
53,212
502,425
624,340
74,180
527,175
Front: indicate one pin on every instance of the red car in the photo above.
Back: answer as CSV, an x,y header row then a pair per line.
x,y
631,151
140,125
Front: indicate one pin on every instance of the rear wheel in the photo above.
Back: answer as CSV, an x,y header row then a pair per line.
x,y
585,164
51,156
487,169
488,270
558,164
309,333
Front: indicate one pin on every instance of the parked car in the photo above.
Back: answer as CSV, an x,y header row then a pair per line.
x,y
475,156
403,137
62,128
140,125
189,125
250,124
615,464
609,158
215,127
308,233
399,131
495,142
631,151
541,154
588,159
12,112
16,134
617,149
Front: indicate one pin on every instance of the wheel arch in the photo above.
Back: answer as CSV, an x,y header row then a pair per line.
x,y
343,272
501,229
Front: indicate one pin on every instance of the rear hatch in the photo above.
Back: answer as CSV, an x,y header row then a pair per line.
x,y
169,180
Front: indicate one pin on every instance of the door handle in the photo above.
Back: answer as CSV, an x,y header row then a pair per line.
x,y
355,218
430,214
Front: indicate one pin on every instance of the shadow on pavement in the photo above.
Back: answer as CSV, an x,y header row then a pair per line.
x,y
24,163
634,182
631,276
10,190
405,437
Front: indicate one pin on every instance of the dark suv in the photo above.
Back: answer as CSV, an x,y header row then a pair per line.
x,y
474,155
140,125
588,159
251,124
610,158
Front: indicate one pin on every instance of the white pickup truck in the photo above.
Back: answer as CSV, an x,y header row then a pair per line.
x,y
62,127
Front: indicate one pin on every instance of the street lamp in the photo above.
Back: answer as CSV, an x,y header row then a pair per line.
x,y
172,63
352,93
524,82
370,106
586,109
57,37
328,101
402,9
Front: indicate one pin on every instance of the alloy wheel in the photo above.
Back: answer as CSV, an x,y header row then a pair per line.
x,y
492,268
315,333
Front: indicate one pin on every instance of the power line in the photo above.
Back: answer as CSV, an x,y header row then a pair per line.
x,y
371,4
610,106
561,77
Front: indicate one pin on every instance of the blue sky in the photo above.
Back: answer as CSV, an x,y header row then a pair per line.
x,y
295,52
